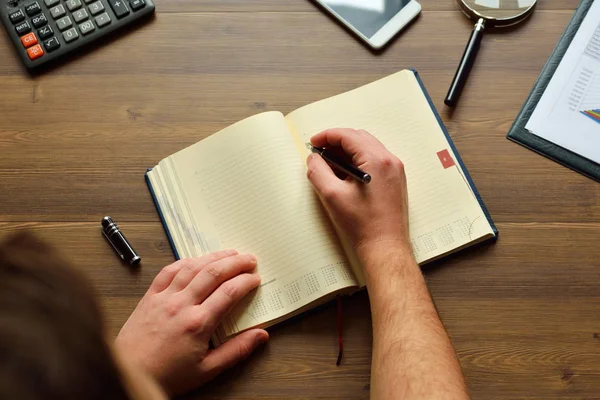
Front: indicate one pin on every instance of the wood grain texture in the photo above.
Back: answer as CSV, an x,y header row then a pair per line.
x,y
524,313
308,5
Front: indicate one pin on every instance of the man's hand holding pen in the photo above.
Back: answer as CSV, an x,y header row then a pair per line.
x,y
368,215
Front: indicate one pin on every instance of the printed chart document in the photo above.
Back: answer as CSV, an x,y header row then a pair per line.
x,y
568,113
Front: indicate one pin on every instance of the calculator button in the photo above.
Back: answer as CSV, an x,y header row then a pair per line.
x,y
119,7
87,27
29,40
33,8
50,3
73,4
35,52
23,28
64,23
102,20
45,32
80,15
137,4
17,16
96,8
51,44
70,35
58,11
38,21
88,1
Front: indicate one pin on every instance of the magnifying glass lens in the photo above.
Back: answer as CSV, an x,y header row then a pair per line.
x,y
488,14
498,9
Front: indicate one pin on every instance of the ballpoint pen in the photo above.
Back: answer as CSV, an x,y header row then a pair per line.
x,y
339,164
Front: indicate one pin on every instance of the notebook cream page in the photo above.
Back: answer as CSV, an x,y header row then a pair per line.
x,y
444,213
246,188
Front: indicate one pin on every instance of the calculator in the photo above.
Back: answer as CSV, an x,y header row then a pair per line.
x,y
47,30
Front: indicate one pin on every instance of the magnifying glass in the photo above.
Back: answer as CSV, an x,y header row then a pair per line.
x,y
488,14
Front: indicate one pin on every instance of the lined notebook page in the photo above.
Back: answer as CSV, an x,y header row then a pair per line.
x,y
246,188
444,214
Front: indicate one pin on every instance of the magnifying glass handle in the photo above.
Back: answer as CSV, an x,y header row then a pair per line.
x,y
464,68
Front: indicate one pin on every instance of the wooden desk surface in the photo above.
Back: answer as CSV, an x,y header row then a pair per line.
x,y
524,314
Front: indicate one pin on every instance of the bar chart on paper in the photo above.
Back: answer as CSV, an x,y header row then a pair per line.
x,y
568,113
585,96
582,92
592,114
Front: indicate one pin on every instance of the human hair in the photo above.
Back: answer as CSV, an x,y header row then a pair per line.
x,y
52,337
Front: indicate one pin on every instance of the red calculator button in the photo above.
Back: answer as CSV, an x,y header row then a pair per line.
x,y
35,52
29,40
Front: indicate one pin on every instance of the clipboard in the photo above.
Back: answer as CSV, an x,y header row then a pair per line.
x,y
522,136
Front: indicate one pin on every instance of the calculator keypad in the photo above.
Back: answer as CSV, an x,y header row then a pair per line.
x,y
44,26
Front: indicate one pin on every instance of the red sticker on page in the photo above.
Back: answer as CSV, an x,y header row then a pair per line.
x,y
446,159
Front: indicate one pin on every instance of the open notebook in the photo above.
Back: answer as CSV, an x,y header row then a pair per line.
x,y
246,188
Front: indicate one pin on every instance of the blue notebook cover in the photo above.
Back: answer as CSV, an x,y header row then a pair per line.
x,y
161,215
458,159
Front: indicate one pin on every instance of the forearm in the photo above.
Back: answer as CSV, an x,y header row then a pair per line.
x,y
413,357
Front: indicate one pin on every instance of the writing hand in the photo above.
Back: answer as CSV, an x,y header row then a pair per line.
x,y
368,215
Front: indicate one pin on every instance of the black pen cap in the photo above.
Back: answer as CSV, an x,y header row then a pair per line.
x,y
118,241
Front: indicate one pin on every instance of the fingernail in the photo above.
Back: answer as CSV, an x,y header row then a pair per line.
x,y
261,338
252,258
